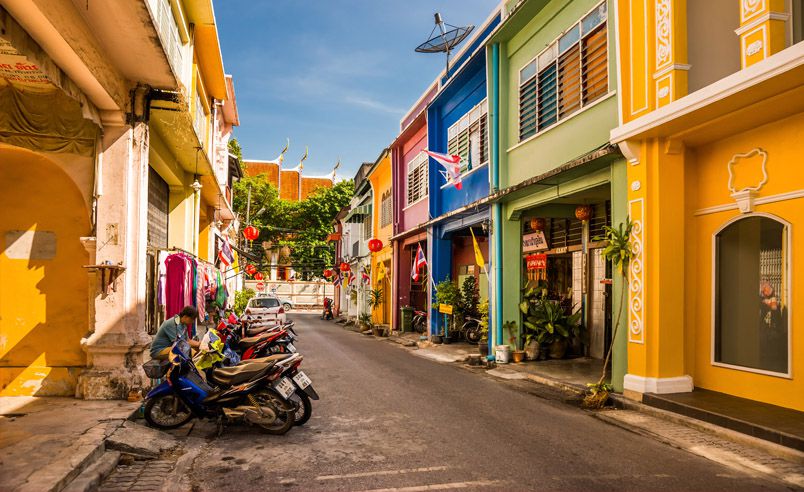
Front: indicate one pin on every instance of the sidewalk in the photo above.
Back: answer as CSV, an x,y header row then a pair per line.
x,y
46,442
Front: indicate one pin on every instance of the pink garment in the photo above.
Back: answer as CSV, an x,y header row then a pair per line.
x,y
178,284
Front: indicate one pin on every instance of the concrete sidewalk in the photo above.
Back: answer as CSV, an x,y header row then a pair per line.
x,y
46,442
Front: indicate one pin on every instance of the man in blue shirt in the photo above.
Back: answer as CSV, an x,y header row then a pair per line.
x,y
173,329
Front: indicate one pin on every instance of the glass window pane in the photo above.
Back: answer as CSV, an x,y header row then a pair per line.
x,y
569,39
547,56
594,19
548,113
527,72
751,298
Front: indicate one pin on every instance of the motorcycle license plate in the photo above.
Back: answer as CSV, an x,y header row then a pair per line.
x,y
291,348
302,380
284,387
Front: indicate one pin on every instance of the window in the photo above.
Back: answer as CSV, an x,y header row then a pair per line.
x,y
418,177
264,302
571,73
367,229
200,120
469,137
385,209
751,299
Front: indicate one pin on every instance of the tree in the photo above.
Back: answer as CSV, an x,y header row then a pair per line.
x,y
235,149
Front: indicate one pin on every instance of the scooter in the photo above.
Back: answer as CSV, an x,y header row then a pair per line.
x,y
254,393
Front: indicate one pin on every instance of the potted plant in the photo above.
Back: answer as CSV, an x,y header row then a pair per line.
x,y
376,300
531,295
483,343
364,320
552,326
620,252
448,293
517,355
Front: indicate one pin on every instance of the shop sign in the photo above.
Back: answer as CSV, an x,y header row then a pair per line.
x,y
535,241
445,308
536,262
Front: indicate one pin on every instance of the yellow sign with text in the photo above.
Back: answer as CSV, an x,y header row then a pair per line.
x,y
445,309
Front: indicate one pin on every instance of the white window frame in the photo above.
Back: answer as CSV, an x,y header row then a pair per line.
x,y
421,159
789,286
386,209
553,46
474,115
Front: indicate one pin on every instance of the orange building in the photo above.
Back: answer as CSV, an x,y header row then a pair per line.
x,y
291,183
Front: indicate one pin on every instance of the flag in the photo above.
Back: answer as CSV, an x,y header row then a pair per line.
x,y
418,263
365,276
452,165
337,280
380,271
225,253
478,254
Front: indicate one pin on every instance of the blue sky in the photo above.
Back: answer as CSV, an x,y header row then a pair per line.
x,y
336,75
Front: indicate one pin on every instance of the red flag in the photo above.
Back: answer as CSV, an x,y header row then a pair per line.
x,y
452,164
420,262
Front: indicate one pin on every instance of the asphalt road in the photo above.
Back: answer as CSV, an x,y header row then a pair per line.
x,y
388,420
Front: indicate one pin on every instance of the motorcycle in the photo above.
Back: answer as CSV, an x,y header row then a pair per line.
x,y
255,393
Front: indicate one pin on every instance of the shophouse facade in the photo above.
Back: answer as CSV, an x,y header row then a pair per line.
x,y
88,207
358,228
457,124
711,120
553,100
382,228
410,176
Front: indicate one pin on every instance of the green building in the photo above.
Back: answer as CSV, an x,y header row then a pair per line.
x,y
552,85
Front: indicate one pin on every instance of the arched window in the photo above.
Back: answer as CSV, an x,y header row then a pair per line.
x,y
752,295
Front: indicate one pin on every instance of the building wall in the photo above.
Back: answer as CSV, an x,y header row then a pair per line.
x,y
44,309
290,179
409,216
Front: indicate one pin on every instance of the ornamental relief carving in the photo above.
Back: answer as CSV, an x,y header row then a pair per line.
x,y
663,20
636,315
750,8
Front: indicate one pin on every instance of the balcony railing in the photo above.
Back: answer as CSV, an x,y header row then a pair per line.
x,y
169,33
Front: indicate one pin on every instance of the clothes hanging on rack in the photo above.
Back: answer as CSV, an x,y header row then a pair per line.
x,y
178,286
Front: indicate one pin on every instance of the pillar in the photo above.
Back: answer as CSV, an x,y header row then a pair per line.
x,y
117,340
670,76
762,29
656,272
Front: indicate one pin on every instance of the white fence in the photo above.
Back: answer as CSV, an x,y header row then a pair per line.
x,y
301,294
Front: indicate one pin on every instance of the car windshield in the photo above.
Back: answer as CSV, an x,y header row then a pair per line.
x,y
265,302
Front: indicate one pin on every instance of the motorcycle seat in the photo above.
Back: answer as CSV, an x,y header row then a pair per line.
x,y
271,358
241,373
249,341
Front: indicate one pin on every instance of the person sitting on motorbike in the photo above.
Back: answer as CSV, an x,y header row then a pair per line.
x,y
173,329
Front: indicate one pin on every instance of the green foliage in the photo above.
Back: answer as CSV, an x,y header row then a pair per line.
x,y
302,226
618,250
447,293
513,330
376,297
547,322
470,297
484,318
241,299
235,149
365,319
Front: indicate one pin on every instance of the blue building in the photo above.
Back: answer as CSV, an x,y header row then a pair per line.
x,y
457,123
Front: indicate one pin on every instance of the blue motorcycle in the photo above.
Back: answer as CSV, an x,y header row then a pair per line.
x,y
255,393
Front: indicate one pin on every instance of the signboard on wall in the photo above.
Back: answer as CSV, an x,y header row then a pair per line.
x,y
536,262
535,241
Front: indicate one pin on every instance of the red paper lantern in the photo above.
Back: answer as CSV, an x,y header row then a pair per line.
x,y
251,233
251,269
374,245
583,212
328,273
345,267
537,224
258,276
260,286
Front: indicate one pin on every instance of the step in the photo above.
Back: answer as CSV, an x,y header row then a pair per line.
x,y
90,479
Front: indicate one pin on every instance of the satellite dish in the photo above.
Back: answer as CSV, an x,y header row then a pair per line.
x,y
445,40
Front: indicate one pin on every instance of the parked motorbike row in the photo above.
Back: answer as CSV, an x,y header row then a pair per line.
x,y
247,371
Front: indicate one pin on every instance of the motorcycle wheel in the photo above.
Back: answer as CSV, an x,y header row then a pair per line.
x,y
303,405
472,332
284,411
419,324
167,412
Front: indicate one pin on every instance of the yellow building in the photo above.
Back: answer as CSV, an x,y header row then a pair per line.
x,y
382,227
712,124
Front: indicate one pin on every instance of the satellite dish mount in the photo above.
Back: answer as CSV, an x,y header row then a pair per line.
x,y
447,38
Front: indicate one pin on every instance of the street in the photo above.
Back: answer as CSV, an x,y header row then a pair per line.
x,y
388,420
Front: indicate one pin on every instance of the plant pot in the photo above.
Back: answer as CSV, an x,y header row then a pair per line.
x,y
576,346
518,355
437,339
558,349
447,340
376,331
532,350
483,347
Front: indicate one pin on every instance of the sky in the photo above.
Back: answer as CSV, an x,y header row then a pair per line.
x,y
334,75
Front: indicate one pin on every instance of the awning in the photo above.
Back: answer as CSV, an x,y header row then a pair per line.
x,y
357,213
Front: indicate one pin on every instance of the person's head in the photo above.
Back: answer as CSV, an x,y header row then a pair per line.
x,y
188,315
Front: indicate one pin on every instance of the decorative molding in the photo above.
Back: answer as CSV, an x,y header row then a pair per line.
x,y
663,92
669,68
631,149
641,384
664,48
751,8
673,146
753,48
792,195
636,185
631,45
777,16
752,153
636,311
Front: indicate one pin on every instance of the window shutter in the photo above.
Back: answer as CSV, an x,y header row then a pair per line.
x,y
527,108
569,82
595,65
547,96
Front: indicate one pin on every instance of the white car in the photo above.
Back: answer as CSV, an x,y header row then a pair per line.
x,y
265,308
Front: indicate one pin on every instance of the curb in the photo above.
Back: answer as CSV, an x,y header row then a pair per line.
x,y
91,478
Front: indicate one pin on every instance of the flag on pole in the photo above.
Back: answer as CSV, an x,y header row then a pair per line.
x,y
452,165
418,263
478,254
380,271
225,253
365,276
337,280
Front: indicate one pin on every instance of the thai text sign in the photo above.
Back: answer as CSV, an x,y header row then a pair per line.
x,y
445,308
535,241
536,262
